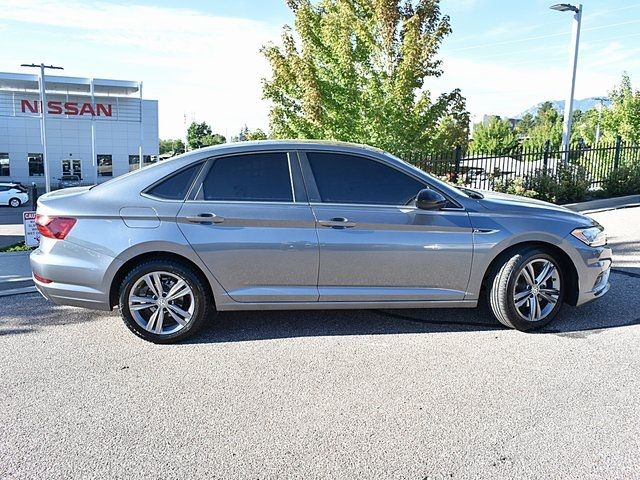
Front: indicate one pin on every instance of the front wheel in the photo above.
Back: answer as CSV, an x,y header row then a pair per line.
x,y
15,202
163,301
527,290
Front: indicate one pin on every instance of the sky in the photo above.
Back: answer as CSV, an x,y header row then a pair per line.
x,y
201,59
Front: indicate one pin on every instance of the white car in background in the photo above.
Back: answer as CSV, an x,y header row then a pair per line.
x,y
13,194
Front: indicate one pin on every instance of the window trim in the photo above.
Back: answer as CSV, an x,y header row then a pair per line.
x,y
297,194
316,200
145,192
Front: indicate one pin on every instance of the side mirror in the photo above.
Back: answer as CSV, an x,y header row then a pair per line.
x,y
428,199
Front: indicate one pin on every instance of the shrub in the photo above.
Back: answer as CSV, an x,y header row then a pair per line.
x,y
514,186
622,181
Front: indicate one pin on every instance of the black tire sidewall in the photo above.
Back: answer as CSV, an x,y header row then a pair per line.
x,y
200,298
514,316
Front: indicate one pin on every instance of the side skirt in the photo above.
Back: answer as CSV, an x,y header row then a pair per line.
x,y
229,305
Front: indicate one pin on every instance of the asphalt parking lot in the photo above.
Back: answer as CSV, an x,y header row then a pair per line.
x,y
330,394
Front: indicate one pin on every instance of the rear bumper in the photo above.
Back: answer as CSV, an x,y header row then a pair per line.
x,y
77,275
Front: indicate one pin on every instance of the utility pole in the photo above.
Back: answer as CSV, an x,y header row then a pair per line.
x,y
43,120
573,63
601,100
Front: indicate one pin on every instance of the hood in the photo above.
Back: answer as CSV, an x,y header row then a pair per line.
x,y
506,203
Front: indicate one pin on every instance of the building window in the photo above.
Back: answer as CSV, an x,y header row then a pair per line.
x,y
105,166
72,167
134,161
4,165
36,165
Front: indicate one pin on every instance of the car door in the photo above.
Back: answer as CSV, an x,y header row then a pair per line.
x,y
4,195
250,222
375,247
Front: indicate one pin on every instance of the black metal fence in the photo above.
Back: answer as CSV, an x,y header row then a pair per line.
x,y
486,170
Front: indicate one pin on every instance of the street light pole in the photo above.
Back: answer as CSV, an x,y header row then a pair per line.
x,y
43,121
601,100
573,63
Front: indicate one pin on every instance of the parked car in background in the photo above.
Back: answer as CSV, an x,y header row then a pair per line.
x,y
67,181
13,194
307,225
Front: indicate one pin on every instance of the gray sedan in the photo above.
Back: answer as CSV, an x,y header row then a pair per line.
x,y
307,225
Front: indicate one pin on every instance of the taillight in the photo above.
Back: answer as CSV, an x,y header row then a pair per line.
x,y
54,227
41,279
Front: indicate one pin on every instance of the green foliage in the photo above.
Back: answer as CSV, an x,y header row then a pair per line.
x,y
200,135
623,181
16,247
175,146
623,116
496,136
248,135
355,70
547,125
514,186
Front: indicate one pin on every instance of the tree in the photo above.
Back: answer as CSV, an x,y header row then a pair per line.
x,y
495,136
246,135
547,127
355,70
623,116
174,146
200,135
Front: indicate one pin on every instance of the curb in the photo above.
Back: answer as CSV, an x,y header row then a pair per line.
x,y
603,204
17,291
16,254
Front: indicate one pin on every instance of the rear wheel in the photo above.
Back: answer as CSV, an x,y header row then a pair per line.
x,y
163,301
527,290
15,202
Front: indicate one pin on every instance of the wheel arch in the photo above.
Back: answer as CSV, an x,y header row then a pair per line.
x,y
137,259
568,268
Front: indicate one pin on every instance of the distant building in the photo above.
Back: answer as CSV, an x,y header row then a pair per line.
x,y
95,128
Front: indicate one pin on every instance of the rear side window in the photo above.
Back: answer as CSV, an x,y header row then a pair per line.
x,y
176,186
258,177
345,178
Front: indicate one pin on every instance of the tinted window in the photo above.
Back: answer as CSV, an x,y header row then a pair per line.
x,y
177,185
351,179
256,177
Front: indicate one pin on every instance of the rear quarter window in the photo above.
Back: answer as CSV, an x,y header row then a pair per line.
x,y
175,186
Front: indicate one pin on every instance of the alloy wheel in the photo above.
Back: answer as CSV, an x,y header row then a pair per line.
x,y
536,291
161,302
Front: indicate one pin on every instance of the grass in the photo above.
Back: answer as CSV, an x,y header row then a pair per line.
x,y
16,247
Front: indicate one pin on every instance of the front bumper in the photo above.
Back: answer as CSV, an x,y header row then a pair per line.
x,y
78,275
593,273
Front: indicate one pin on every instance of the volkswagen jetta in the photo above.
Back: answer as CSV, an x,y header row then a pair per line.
x,y
307,225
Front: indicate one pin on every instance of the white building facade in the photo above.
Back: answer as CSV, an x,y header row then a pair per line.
x,y
95,128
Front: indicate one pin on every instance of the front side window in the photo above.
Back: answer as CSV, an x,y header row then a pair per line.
x,y
36,165
343,178
177,185
257,177
4,165
105,166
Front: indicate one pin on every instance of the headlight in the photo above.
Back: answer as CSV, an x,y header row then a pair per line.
x,y
592,236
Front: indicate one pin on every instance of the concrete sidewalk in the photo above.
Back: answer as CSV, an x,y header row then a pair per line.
x,y
15,273
11,234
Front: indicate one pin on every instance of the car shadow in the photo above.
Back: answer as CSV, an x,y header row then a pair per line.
x,y
619,308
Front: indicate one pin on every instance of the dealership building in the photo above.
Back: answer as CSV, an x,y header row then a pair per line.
x,y
95,128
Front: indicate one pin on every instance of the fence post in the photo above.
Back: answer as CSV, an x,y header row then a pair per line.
x,y
616,157
458,159
545,156
34,196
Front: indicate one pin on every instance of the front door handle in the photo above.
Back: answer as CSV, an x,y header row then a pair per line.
x,y
337,222
204,218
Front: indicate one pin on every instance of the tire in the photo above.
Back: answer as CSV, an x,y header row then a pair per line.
x,y
138,301
511,295
15,202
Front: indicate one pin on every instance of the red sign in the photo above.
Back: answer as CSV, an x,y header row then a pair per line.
x,y
68,108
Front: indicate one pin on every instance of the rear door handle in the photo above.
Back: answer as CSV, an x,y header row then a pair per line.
x,y
204,218
337,222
